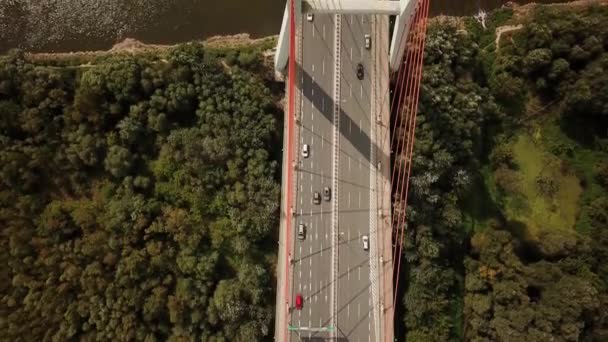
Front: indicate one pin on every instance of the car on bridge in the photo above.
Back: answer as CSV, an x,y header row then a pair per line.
x,y
305,151
327,194
360,71
316,198
301,231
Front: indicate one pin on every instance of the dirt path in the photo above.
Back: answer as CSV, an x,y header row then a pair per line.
x,y
505,29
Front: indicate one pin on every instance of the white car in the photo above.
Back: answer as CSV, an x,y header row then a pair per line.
x,y
305,151
368,41
309,17
365,242
302,231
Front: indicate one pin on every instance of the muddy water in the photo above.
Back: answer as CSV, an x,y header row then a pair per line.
x,y
69,25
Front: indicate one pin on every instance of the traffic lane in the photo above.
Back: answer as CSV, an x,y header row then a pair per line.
x,y
311,256
357,107
314,216
362,145
321,72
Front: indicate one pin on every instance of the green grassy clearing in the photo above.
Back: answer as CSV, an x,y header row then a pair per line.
x,y
537,209
582,160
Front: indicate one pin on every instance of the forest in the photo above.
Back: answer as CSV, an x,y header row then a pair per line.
x,y
127,213
508,217
139,194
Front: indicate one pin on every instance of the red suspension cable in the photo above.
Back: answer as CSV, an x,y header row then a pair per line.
x,y
411,137
290,149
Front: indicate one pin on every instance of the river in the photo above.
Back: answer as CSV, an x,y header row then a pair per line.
x,y
73,25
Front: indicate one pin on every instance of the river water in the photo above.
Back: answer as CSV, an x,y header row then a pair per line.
x,y
73,25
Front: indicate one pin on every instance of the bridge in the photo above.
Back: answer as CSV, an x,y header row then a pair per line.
x,y
348,143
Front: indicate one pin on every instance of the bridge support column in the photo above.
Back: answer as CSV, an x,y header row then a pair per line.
x,y
282,54
401,31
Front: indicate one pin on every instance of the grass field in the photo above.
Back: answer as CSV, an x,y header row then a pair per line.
x,y
537,209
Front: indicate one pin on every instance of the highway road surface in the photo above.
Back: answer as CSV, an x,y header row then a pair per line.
x,y
312,274
312,259
355,321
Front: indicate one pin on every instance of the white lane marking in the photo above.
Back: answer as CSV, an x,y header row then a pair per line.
x,y
358,310
351,53
361,51
313,30
348,272
359,199
323,31
362,91
360,125
349,163
300,275
311,188
300,200
348,200
359,272
350,90
322,143
313,70
321,249
300,253
348,310
323,66
301,187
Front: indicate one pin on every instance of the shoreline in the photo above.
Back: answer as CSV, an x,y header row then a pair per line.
x,y
134,46
131,46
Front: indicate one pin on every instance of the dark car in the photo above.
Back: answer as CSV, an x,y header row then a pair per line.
x,y
316,198
360,71
327,193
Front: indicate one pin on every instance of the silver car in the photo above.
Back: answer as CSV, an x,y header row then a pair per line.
x,y
301,231
305,151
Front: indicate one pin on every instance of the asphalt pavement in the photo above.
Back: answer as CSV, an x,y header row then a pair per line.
x,y
311,274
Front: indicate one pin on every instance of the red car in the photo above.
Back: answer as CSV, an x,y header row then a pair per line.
x,y
299,302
